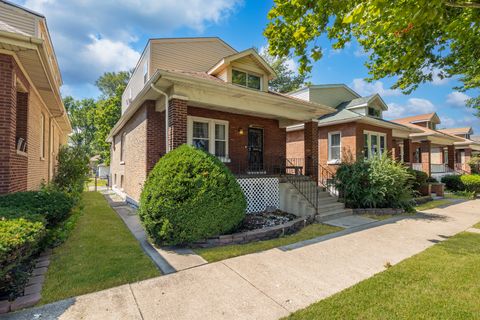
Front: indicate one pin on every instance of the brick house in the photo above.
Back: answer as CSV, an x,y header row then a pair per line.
x,y
438,152
33,121
465,149
202,92
355,129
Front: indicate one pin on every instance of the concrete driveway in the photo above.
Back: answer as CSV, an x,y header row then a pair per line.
x,y
273,283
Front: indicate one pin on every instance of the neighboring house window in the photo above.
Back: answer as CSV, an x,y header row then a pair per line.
x,y
210,135
245,79
334,147
417,156
122,147
121,182
115,179
42,136
402,153
145,72
432,125
445,155
374,144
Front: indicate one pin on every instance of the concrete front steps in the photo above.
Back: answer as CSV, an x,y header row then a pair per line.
x,y
292,201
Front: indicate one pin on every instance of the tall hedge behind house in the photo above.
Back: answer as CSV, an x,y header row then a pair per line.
x,y
190,195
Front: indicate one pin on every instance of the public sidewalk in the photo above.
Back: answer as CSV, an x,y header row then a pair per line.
x,y
273,283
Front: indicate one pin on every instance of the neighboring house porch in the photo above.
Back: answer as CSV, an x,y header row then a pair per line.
x,y
430,150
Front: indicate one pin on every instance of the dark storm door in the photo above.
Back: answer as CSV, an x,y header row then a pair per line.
x,y
255,149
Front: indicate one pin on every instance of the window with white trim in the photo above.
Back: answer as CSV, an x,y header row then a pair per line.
x,y
246,79
374,143
122,147
210,135
42,136
334,147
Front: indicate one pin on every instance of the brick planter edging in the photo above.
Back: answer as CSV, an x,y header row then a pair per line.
x,y
32,291
378,211
255,235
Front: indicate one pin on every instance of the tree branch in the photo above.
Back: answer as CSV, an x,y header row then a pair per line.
x,y
467,4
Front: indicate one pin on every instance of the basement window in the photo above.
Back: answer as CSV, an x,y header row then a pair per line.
x,y
245,79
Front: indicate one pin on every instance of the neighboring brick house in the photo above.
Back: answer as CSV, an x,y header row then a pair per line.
x,y
203,92
465,149
33,122
431,150
355,129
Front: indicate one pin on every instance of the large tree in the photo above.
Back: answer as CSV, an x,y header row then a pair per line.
x,y
412,40
108,109
287,79
110,82
82,118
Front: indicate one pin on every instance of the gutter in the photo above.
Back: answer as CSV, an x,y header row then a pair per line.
x,y
167,149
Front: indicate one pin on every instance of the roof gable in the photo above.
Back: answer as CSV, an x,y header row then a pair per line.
x,y
250,56
432,117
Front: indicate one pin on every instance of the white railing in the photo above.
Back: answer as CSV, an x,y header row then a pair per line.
x,y
439,168
417,166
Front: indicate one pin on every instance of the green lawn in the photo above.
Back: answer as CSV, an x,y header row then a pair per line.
x,y
477,225
225,252
100,182
443,282
433,204
100,253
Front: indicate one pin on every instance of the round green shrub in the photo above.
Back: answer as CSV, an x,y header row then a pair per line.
x,y
453,183
188,196
420,178
471,182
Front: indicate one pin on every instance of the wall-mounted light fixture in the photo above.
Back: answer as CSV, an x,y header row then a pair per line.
x,y
240,131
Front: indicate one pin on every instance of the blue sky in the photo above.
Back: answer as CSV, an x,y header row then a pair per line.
x,y
92,37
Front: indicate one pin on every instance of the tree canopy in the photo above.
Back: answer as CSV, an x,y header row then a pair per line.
x,y
92,120
412,40
287,80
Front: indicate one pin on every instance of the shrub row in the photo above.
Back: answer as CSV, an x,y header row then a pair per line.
x,y
19,239
31,220
470,183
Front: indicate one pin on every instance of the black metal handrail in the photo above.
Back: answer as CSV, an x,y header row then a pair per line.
x,y
307,183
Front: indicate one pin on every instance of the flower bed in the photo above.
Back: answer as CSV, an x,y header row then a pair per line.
x,y
257,227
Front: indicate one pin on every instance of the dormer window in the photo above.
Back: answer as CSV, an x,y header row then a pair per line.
x,y
431,125
374,112
245,79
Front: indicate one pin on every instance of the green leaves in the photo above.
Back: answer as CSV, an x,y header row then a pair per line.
x,y
409,39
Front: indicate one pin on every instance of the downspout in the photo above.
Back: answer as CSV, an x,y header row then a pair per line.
x,y
166,114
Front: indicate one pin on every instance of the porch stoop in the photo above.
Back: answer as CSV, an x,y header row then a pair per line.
x,y
294,202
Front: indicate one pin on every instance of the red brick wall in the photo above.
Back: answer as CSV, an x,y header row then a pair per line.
x,y
13,167
155,135
177,123
274,137
311,148
425,149
295,145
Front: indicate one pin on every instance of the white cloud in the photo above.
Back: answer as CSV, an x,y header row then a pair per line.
x,y
457,99
105,54
438,78
365,88
116,26
412,107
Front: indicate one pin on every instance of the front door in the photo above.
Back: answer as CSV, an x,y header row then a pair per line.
x,y
255,149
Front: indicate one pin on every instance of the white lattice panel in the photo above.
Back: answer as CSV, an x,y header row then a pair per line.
x,y
260,193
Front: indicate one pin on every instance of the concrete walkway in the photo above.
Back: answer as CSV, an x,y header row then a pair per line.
x,y
168,260
273,283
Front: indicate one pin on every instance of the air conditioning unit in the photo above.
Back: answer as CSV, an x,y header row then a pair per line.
x,y
21,145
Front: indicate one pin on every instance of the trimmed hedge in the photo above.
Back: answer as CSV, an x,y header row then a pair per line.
x,y
55,206
188,196
19,239
471,182
420,179
453,182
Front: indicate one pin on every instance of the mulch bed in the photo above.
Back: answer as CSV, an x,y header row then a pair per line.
x,y
261,220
